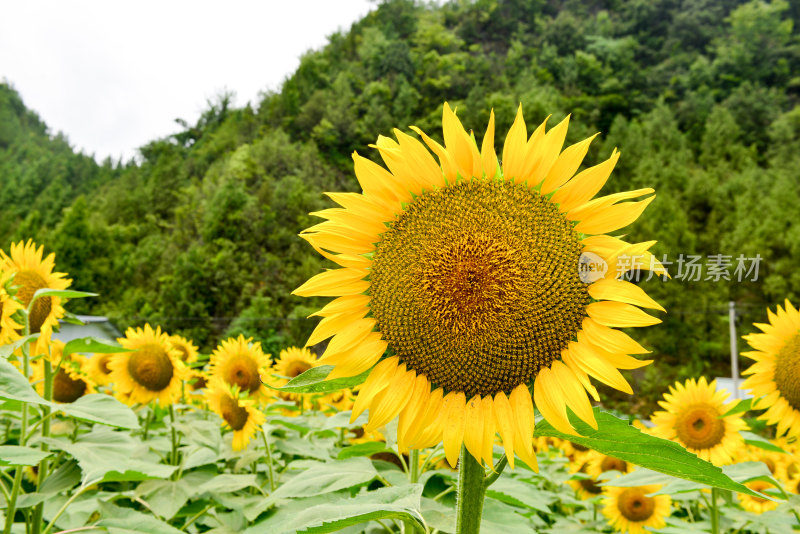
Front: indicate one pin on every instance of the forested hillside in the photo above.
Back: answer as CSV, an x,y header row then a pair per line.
x,y
700,96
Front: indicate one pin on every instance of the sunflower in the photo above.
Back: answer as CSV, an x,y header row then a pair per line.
x,y
98,369
631,510
775,377
336,401
473,275
69,383
693,417
757,505
238,411
153,371
9,328
585,486
188,351
598,463
241,362
32,273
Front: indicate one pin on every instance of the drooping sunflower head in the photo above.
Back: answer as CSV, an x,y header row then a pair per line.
x,y
70,382
694,416
153,371
633,509
775,377
238,411
32,273
9,328
98,369
186,349
474,276
241,362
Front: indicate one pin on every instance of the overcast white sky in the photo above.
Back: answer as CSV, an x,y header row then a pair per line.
x,y
113,75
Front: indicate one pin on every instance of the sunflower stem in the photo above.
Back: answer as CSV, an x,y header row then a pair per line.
x,y
270,474
714,511
174,433
49,376
11,505
497,471
471,490
413,477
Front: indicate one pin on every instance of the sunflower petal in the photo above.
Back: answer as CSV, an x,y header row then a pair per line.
x,y
453,408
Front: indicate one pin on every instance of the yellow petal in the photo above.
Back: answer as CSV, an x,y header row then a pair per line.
x,y
395,160
505,423
359,358
362,206
548,398
346,304
573,393
458,143
473,427
599,204
585,185
453,408
377,183
547,152
489,430
333,283
488,154
349,336
622,291
427,430
586,359
377,380
449,167
329,326
420,161
398,392
613,217
619,314
413,410
522,408
566,165
344,260
514,148
610,339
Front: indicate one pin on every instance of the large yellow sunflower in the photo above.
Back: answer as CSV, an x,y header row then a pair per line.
x,y
32,273
9,328
238,411
631,510
693,417
152,372
477,278
775,377
241,362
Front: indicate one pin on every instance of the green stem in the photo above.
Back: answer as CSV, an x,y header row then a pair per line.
x,y
11,507
66,504
497,472
270,474
49,376
413,477
174,460
147,418
471,490
714,511
195,517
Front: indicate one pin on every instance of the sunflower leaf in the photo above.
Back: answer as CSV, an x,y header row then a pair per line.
x,y
617,438
762,443
17,455
742,406
14,386
61,293
8,350
101,408
313,381
93,344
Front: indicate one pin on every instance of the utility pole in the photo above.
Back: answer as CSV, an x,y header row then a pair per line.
x,y
734,349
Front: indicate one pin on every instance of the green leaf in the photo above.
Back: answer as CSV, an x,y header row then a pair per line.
x,y
66,477
313,381
744,405
326,478
14,386
758,441
165,497
119,520
8,350
93,345
101,408
518,493
400,503
229,483
61,293
616,437
17,455
105,455
362,449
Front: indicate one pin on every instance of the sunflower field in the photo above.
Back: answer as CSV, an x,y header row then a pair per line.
x,y
456,390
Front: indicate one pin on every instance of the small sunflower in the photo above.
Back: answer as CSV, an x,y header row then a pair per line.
x,y
291,363
238,411
588,486
98,369
693,417
9,328
775,377
473,274
337,401
152,372
631,510
69,383
32,273
241,362
793,485
188,351
757,505
598,463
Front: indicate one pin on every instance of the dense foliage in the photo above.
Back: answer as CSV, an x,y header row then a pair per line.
x,y
199,235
